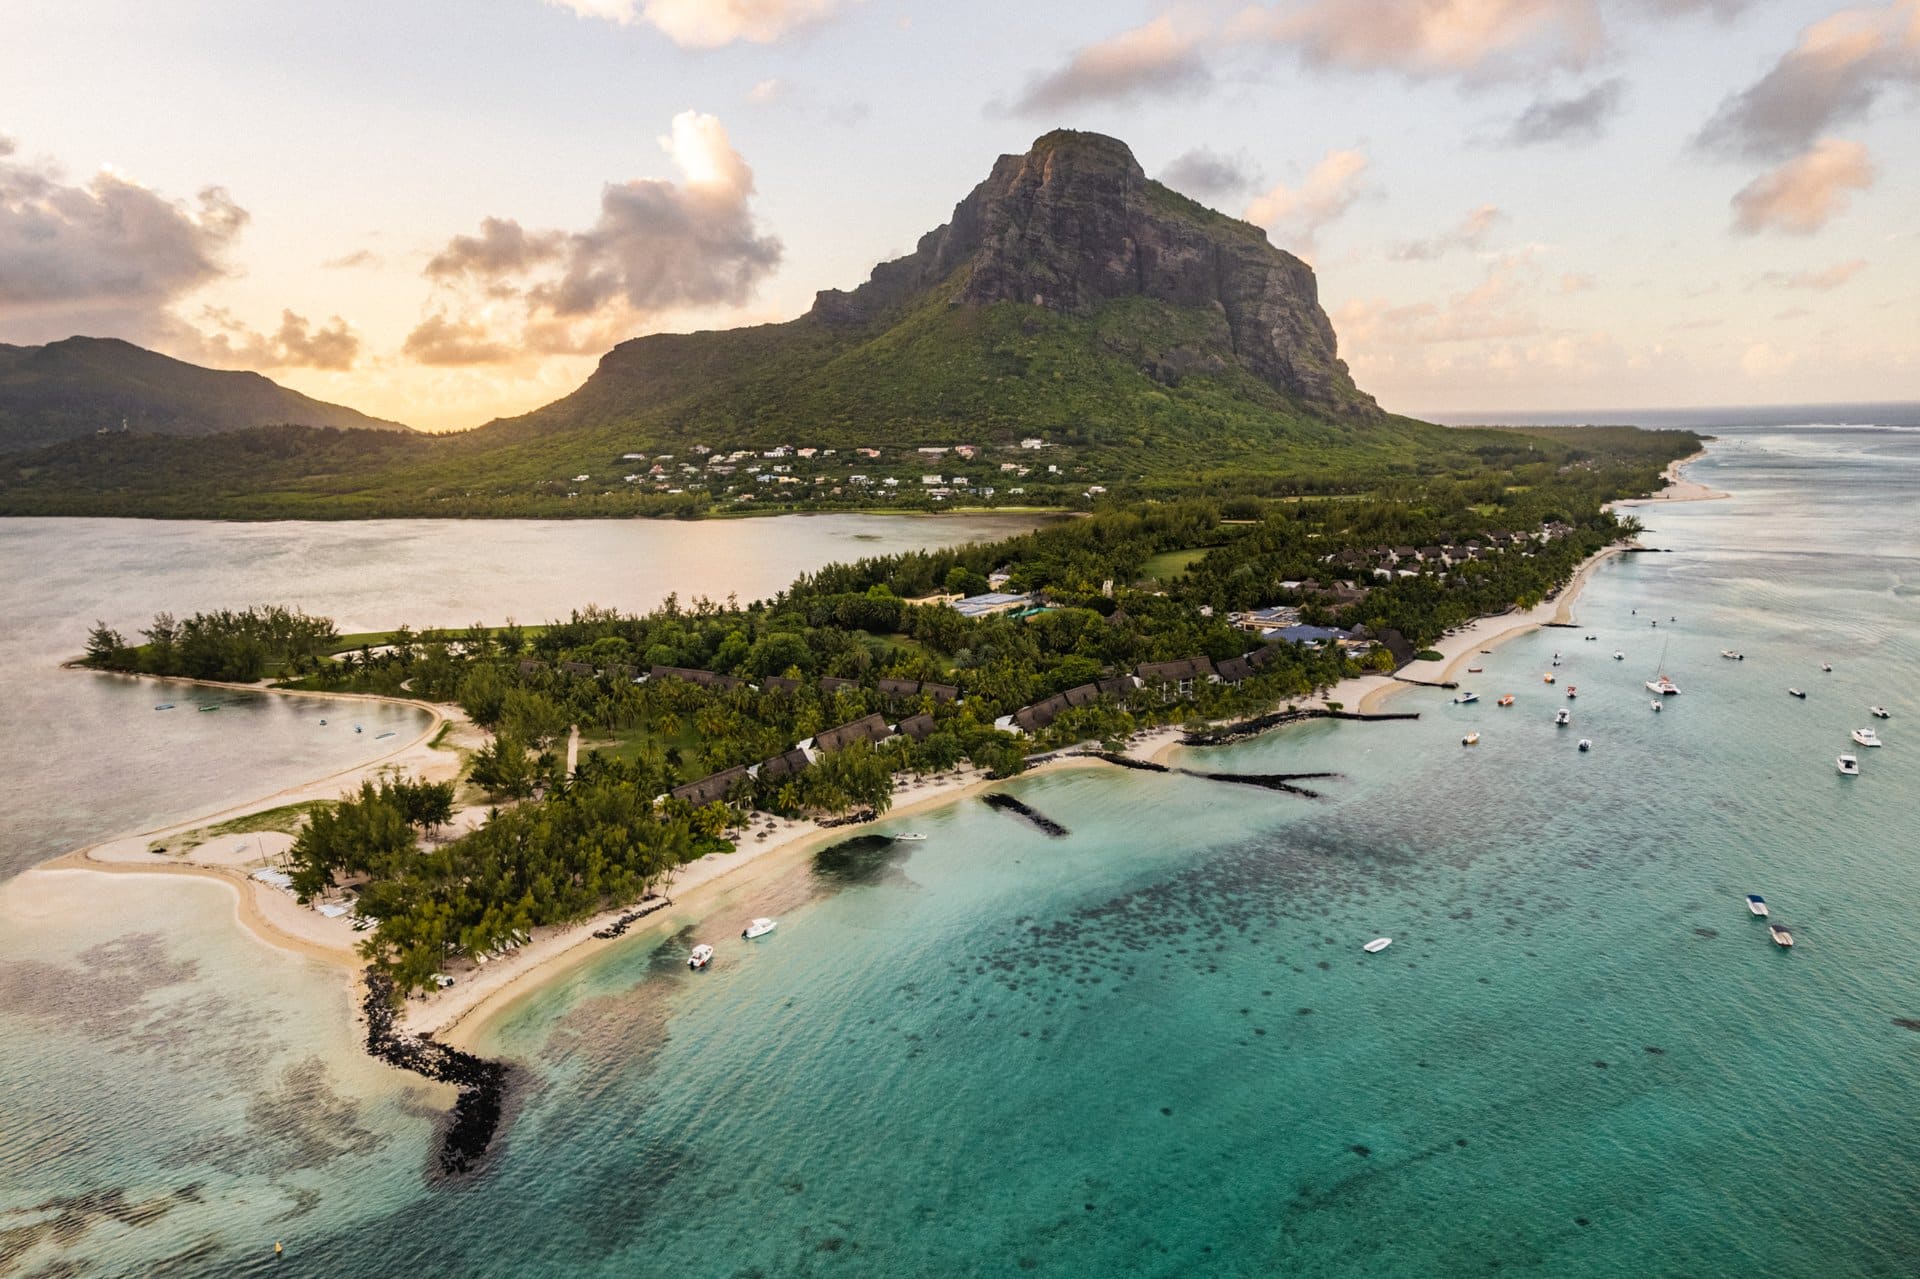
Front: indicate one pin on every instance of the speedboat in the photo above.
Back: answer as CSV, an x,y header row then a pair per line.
x,y
1794,692
1662,685
1781,937
1618,656
1593,637
1866,737
1757,904
1377,945
759,928
1732,656
1507,700
1878,712
1563,717
1471,739
1659,706
1464,698
909,837
1849,765
702,956
1586,744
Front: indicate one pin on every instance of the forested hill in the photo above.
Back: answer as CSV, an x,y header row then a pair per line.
x,y
83,386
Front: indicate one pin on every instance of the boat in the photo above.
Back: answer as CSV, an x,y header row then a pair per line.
x,y
1464,698
1475,670
1794,692
1849,765
759,928
1377,945
1781,937
388,733
1507,700
164,706
1828,669
701,956
1878,712
1572,689
1586,743
1659,706
1757,904
1471,739
1663,686
1866,737
1563,717
1618,656
909,837
1593,637
1547,678
1732,656
323,723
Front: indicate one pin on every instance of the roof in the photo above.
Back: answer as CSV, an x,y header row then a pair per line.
x,y
1235,669
899,687
528,665
780,684
991,602
1309,634
1173,672
941,692
705,678
714,786
577,668
868,728
834,684
918,727
785,764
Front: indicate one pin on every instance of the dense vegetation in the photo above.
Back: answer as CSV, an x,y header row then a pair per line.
x,y
1120,588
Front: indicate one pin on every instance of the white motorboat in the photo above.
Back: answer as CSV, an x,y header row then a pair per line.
x,y
1732,656
1377,945
1825,667
1659,706
1878,712
1794,692
1781,937
1465,698
1849,765
1866,737
1586,743
909,837
701,956
1471,739
759,928
1757,904
1662,685
1563,717
1618,656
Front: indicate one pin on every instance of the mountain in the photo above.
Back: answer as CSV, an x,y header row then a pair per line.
x,y
1069,294
83,385
1155,346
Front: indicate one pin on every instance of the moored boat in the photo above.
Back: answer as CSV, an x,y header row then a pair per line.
x,y
1781,937
1662,685
1619,656
1849,765
164,706
1547,678
1465,698
1866,737
1471,739
1563,717
1732,656
1794,692
1507,700
1572,691
700,957
759,928
1586,744
1827,668
1659,706
909,837
1757,904
1878,712
1377,945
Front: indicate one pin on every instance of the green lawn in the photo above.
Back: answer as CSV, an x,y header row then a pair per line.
x,y
1168,565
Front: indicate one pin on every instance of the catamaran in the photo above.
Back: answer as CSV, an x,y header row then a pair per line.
x,y
1660,683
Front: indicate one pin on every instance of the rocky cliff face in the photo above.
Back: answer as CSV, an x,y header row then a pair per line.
x,y
1075,223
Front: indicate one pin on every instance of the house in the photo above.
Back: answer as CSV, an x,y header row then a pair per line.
x,y
1178,675
940,692
932,479
1033,443
1265,619
915,727
785,764
1117,685
577,668
868,728
1315,635
868,453
899,687
715,787
531,666
780,684
991,604
706,679
830,685
1235,669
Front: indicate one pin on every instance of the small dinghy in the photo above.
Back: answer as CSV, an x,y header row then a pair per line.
x,y
1849,765
759,928
1757,904
1471,739
701,956
1586,743
1781,937
1377,945
1475,670
1547,678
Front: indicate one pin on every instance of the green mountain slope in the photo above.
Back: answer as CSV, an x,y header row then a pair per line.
x,y
82,386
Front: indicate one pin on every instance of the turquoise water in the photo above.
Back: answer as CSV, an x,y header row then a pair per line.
x,y
1155,1048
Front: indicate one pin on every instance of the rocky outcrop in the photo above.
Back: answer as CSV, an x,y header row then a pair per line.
x,y
1075,224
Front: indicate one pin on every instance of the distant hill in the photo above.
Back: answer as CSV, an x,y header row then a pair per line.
x,y
1143,344
84,386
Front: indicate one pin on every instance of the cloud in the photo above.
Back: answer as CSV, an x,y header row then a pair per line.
x,y
1578,118
1824,280
1156,58
1840,66
1804,194
1206,172
656,247
1299,213
107,255
296,344
708,24
1421,39
349,261
1470,233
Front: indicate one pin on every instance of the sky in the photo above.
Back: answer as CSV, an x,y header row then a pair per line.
x,y
443,211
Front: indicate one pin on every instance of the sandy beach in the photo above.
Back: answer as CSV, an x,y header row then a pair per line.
x,y
1679,488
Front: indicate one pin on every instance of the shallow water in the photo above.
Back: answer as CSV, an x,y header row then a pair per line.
x,y
1154,1047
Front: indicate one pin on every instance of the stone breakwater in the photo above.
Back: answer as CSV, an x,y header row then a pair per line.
x,y
648,904
479,1111
1008,804
1249,729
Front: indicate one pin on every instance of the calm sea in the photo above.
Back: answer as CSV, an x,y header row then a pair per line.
x,y
1154,1047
